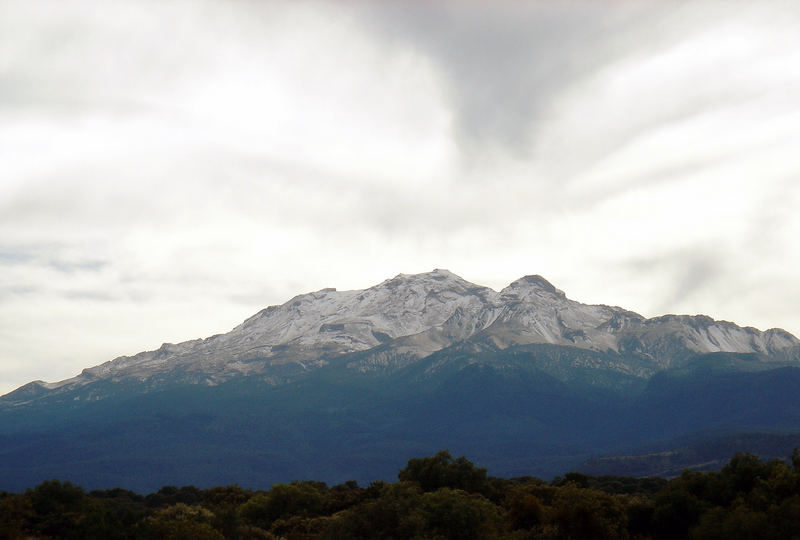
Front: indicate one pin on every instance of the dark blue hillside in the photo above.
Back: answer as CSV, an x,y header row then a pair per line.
x,y
676,403
511,410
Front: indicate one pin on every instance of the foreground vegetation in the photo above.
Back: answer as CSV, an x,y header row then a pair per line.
x,y
436,497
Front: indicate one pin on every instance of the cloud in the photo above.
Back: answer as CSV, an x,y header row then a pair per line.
x,y
684,275
502,65
170,168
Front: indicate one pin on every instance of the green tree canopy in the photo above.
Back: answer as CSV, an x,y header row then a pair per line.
x,y
442,471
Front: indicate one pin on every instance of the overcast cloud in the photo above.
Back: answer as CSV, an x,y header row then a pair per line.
x,y
169,168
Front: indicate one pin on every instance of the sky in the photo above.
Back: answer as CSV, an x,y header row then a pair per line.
x,y
169,168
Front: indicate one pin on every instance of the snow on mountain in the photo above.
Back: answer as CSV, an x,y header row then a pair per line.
x,y
357,320
417,315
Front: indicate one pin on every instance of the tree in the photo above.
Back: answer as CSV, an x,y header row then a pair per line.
x,y
742,472
458,515
303,499
393,512
168,495
441,470
16,513
676,511
58,506
179,522
585,513
734,523
525,510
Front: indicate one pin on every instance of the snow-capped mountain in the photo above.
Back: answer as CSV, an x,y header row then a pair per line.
x,y
339,385
409,317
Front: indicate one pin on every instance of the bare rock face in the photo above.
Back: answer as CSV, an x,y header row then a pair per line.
x,y
409,317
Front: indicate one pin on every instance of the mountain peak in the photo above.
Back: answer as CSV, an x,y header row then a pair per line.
x,y
533,283
437,274
437,279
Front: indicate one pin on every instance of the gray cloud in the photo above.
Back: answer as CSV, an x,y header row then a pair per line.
x,y
170,168
684,276
11,256
504,65
51,255
12,291
693,272
69,267
95,296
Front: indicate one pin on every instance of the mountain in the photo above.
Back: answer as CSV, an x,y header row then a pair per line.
x,y
337,385
410,317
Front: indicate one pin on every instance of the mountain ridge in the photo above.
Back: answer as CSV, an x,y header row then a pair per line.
x,y
410,316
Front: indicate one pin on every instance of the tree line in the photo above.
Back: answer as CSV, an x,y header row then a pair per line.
x,y
436,497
